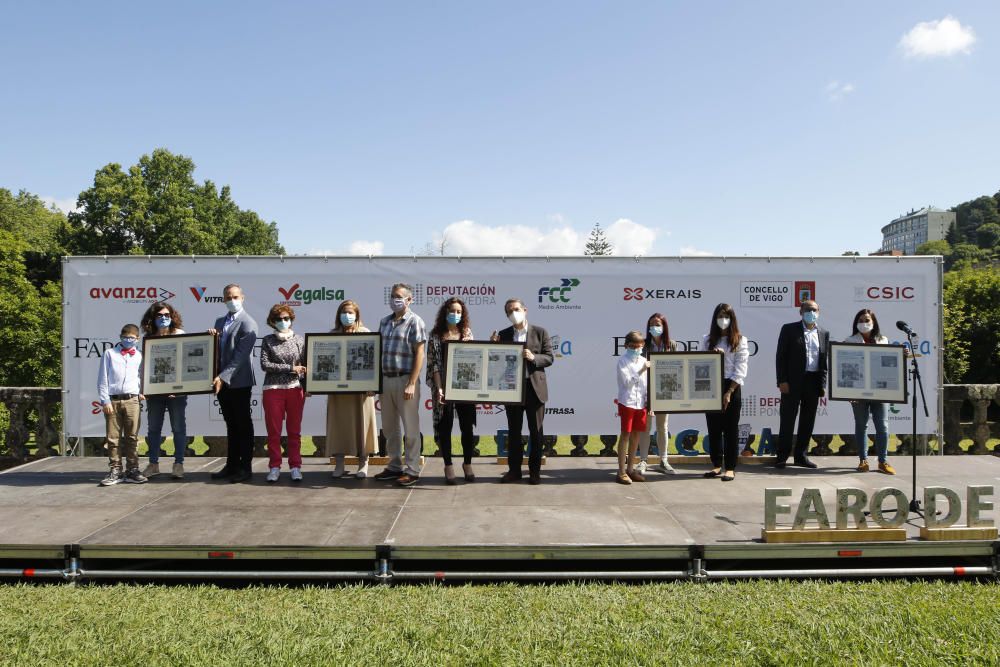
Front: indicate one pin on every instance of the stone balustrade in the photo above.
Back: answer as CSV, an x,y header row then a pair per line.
x,y
42,402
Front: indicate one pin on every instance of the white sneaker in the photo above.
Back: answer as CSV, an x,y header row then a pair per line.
x,y
177,472
296,475
641,467
338,472
362,470
272,475
152,470
665,468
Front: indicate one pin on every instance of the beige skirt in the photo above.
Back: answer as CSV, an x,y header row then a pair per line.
x,y
350,425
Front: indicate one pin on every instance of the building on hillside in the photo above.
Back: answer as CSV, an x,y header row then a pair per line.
x,y
907,232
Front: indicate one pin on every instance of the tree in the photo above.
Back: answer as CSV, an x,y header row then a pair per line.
x,y
972,318
988,236
965,255
597,243
850,253
26,217
156,208
941,247
954,236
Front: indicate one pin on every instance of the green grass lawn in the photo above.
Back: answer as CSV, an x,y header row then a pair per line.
x,y
755,623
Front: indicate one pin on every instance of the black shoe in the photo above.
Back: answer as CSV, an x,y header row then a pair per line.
x,y
241,476
780,464
534,478
225,473
509,478
712,473
804,462
388,475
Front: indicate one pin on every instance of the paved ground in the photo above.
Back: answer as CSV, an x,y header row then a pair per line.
x,y
57,501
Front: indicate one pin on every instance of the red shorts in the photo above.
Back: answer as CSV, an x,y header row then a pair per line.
x,y
633,419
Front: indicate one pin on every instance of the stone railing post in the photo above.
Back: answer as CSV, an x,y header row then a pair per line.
x,y
18,401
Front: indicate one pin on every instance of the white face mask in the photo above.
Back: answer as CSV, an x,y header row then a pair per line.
x,y
235,305
865,327
722,322
398,305
516,317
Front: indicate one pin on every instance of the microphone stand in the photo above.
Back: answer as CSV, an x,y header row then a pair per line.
x,y
917,383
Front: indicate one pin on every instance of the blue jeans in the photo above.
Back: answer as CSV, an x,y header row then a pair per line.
x,y
880,417
155,407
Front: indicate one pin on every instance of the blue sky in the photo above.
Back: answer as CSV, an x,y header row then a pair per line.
x,y
731,128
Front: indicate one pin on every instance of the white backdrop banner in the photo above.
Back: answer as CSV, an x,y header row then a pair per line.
x,y
587,305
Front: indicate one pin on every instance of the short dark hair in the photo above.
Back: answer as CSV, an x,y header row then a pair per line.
x,y
130,329
633,337
507,305
875,330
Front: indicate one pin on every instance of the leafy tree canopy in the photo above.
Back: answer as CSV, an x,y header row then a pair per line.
x,y
597,242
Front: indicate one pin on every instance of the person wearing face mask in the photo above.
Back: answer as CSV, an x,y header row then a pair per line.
x,y
537,357
866,332
283,360
350,418
657,340
403,338
632,387
237,335
452,324
724,427
801,368
118,392
162,319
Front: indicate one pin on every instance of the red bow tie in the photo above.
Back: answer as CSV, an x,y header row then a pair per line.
x,y
130,352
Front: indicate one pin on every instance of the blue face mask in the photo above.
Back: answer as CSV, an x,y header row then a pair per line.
x,y
163,321
810,317
127,343
454,318
347,319
282,325
656,331
634,353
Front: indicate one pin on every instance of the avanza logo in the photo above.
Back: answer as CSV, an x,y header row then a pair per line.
x,y
132,294
199,295
297,295
641,293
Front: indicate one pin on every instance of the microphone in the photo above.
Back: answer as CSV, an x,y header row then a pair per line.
x,y
905,328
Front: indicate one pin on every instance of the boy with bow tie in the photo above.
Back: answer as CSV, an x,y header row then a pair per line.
x,y
118,392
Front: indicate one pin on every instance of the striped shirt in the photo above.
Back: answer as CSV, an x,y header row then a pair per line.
x,y
399,338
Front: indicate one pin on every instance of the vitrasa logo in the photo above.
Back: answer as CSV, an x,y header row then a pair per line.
x,y
298,296
199,295
643,293
131,294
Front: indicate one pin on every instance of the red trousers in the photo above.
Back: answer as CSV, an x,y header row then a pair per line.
x,y
284,405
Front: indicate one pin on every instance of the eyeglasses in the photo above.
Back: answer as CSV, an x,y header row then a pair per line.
x,y
285,319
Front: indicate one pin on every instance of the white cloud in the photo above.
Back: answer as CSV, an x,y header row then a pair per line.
x,y
65,205
836,91
931,39
366,248
630,238
468,237
689,251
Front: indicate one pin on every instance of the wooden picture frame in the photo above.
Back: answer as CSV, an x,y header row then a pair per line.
x,y
179,364
480,371
860,372
344,363
682,382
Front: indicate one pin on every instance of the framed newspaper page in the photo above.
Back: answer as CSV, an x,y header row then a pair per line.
x,y
179,364
860,372
343,363
479,371
685,382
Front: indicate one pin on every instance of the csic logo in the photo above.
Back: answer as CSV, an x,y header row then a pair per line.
x,y
557,294
418,294
132,294
805,290
296,296
885,293
642,293
199,295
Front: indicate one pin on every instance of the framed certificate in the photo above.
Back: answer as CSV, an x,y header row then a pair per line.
x,y
685,381
179,364
344,363
479,371
860,372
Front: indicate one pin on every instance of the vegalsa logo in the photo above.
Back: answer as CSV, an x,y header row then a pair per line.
x,y
885,293
199,295
558,293
297,296
132,294
642,293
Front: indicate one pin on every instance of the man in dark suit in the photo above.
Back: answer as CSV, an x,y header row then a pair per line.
x,y
537,356
237,333
801,368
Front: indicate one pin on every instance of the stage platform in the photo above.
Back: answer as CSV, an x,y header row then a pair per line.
x,y
57,523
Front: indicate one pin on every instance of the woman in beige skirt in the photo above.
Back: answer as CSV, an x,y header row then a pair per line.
x,y
350,418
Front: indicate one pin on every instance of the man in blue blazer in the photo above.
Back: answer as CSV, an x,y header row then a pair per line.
x,y
237,333
800,363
